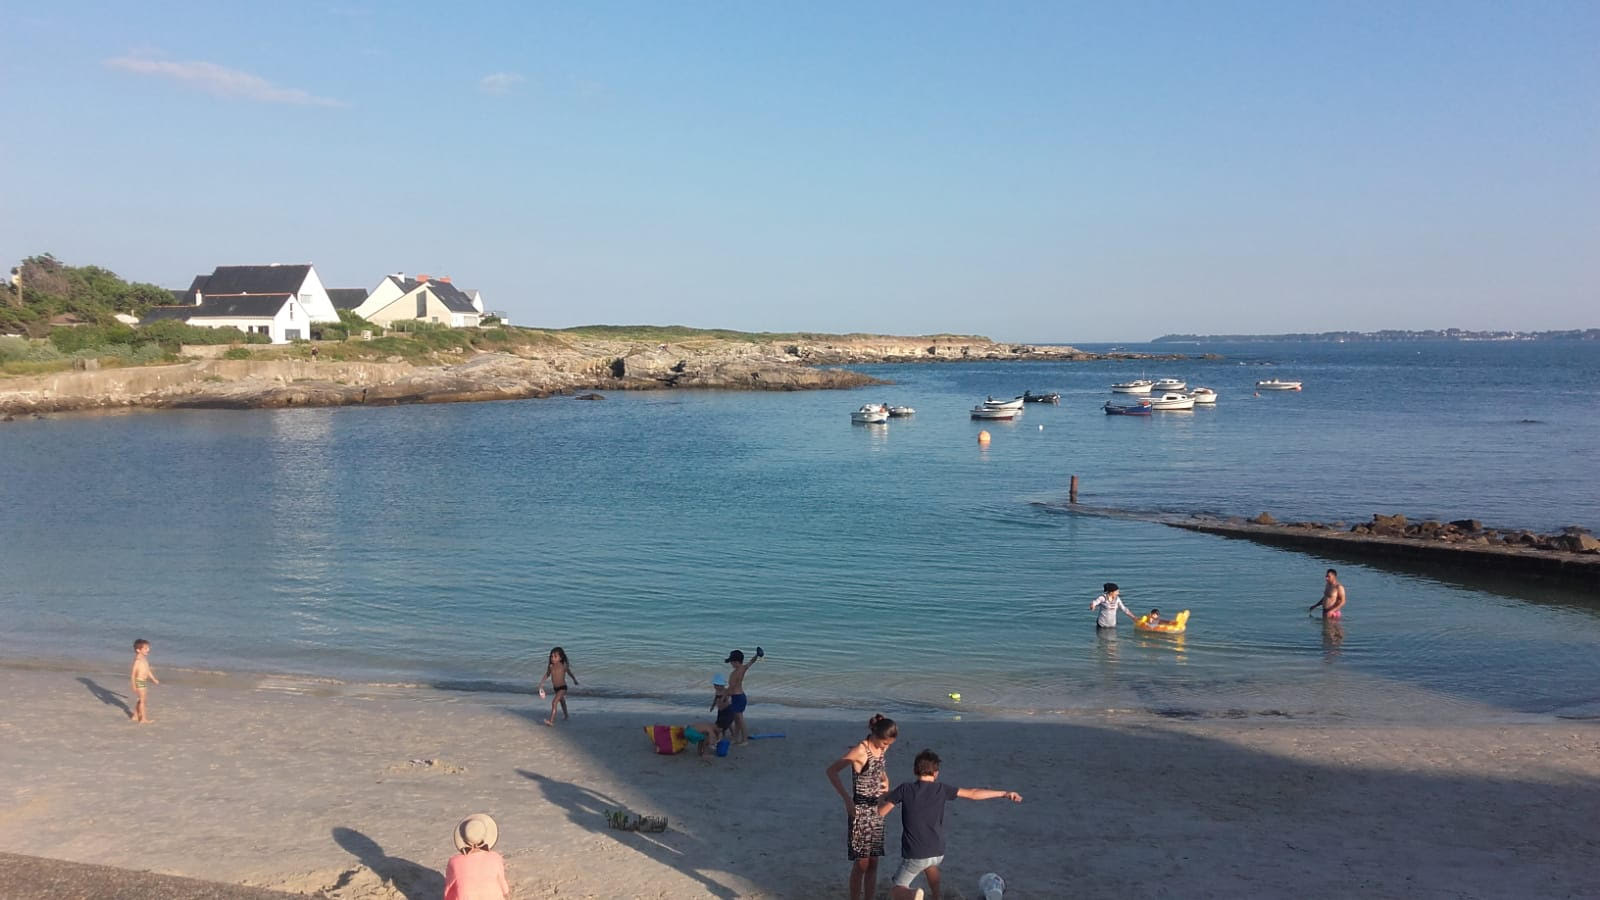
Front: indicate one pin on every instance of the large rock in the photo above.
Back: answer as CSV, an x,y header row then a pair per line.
x,y
1264,519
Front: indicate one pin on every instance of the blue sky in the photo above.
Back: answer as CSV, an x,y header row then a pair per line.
x,y
1030,171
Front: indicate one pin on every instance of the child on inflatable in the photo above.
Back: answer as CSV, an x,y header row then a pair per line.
x,y
1153,619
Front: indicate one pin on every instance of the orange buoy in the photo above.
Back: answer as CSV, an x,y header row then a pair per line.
x,y
983,437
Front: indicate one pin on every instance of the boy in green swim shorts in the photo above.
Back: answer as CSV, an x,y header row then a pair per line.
x,y
140,678
703,733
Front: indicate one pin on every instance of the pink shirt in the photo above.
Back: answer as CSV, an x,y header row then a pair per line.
x,y
479,875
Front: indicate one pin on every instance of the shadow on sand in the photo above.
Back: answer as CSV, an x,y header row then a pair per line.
x,y
1236,813
108,696
587,809
411,880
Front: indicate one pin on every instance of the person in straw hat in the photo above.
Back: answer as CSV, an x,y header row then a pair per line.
x,y
476,872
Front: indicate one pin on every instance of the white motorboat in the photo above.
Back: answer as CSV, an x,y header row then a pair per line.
x,y
1175,385
871,414
992,403
1274,384
1142,386
1171,402
900,412
984,411
1204,395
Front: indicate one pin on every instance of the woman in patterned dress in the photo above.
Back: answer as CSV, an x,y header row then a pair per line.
x,y
870,782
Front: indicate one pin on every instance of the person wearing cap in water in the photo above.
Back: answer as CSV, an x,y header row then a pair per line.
x,y
476,872
1108,603
737,701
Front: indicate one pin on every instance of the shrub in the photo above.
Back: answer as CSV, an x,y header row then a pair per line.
x,y
236,353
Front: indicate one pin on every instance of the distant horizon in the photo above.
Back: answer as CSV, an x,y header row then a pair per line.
x,y
900,167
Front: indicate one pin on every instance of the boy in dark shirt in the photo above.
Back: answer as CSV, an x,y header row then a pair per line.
x,y
922,823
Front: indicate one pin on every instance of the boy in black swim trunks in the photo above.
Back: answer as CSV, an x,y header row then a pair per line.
x,y
556,672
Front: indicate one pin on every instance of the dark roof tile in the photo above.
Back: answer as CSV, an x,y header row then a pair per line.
x,y
347,298
253,280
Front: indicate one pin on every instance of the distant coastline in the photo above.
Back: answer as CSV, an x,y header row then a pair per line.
x,y
1360,337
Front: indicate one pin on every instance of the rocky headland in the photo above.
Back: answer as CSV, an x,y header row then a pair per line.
x,y
559,365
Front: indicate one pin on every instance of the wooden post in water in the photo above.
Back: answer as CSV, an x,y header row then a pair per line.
x,y
1072,492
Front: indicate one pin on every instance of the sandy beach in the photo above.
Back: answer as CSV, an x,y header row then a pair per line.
x,y
351,791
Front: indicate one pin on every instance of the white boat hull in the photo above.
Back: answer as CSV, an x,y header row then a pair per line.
x,y
1170,385
1276,385
1170,402
995,412
1133,387
992,403
1205,396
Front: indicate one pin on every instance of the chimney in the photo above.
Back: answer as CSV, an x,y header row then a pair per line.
x,y
398,276
423,279
445,278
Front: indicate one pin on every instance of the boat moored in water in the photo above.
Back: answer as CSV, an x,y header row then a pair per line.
x,y
870,414
1013,403
1204,395
1169,384
1273,384
1171,402
900,412
1141,386
1142,408
984,411
1051,397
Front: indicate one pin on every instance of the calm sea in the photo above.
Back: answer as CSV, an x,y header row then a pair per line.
x,y
881,567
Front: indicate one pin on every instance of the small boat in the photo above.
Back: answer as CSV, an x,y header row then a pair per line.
x,y
1274,384
1014,403
1169,384
1172,401
1141,386
871,414
1031,397
996,412
900,412
1174,625
1142,408
1204,395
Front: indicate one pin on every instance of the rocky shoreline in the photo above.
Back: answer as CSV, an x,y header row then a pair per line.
x,y
564,367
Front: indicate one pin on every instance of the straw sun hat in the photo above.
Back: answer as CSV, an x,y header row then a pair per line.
x,y
477,830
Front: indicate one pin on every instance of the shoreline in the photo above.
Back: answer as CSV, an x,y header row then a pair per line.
x,y
582,366
354,797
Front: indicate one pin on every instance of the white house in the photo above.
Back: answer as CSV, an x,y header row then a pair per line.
x,y
421,299
300,281
280,317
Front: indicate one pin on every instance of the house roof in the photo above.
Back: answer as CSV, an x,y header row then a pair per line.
x,y
252,280
347,298
448,294
240,306
231,306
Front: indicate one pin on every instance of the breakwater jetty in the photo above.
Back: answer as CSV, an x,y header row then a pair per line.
x,y
1569,557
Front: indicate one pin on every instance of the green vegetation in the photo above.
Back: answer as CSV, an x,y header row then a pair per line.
x,y
90,297
52,288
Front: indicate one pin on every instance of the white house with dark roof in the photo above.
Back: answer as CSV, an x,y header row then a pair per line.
x,y
420,299
299,281
280,317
